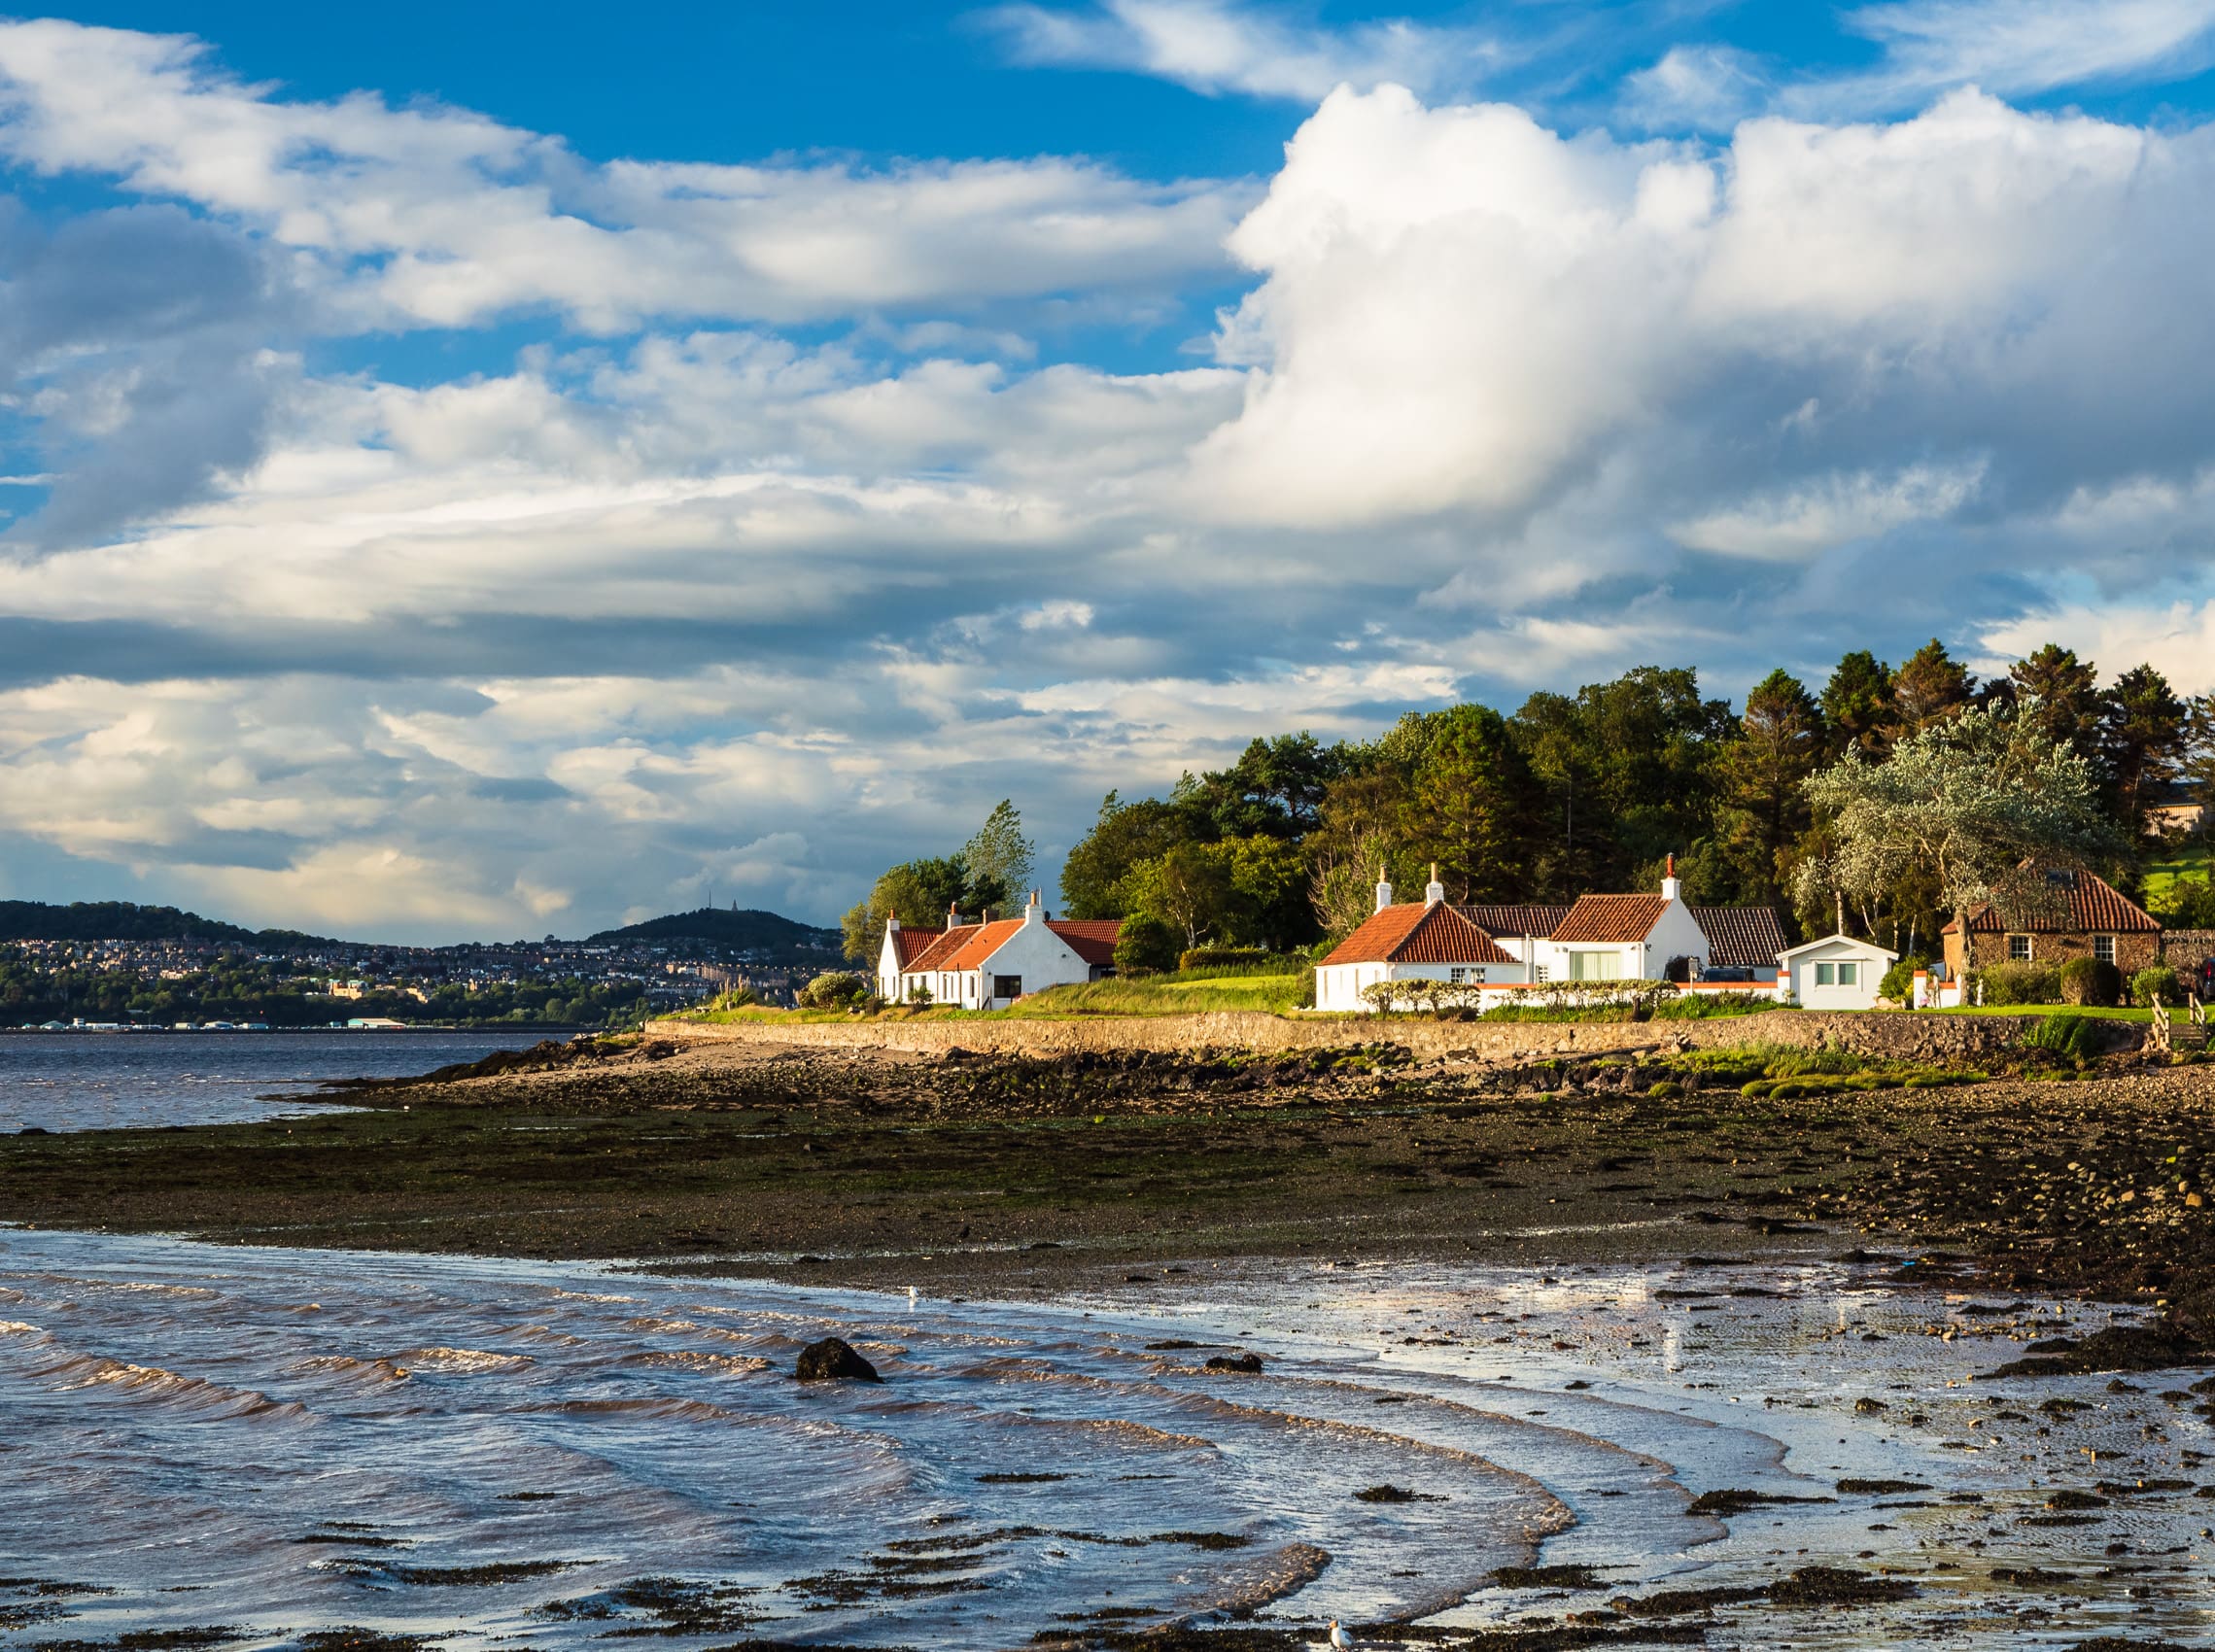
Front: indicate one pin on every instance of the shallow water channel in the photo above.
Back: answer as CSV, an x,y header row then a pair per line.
x,y
272,1441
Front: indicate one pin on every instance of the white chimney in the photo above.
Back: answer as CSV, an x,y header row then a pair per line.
x,y
953,916
891,923
1669,884
1433,891
1034,913
1383,890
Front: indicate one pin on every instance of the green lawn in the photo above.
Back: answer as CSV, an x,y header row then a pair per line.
x,y
2042,1010
1175,994
2162,876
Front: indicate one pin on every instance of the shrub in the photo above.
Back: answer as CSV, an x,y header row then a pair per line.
x,y
2020,983
2158,978
1223,957
1146,943
833,990
1898,983
2091,981
1308,987
2076,1037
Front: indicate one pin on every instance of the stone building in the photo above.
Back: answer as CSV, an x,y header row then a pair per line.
x,y
2050,915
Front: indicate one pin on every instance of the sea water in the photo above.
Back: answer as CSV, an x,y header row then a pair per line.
x,y
267,1443
127,1081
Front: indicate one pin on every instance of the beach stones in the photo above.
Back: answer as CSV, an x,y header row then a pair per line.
x,y
834,1360
1248,1364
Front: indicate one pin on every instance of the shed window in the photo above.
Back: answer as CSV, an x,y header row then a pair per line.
x,y
2019,948
1848,972
2104,948
1826,975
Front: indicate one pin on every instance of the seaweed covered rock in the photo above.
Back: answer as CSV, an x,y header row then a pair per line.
x,y
834,1360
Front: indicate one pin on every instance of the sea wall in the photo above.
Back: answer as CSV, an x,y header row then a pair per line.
x,y
1897,1034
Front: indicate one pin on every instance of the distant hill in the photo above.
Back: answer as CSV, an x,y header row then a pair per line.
x,y
747,931
128,920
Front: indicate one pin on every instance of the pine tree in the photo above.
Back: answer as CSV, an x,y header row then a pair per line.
x,y
1763,776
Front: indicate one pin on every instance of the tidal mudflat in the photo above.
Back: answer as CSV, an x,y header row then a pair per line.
x,y
222,1446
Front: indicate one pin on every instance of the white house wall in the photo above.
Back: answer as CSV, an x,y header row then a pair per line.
x,y
1872,961
1036,954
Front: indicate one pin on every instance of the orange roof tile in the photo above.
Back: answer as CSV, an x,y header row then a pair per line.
x,y
1611,919
908,945
2080,903
1091,938
943,945
1416,934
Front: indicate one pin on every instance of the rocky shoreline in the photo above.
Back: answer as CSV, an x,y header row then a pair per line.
x,y
872,1165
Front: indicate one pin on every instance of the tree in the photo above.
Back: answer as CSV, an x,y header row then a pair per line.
x,y
1469,807
1096,876
1763,779
1931,688
999,858
2067,690
1189,889
1276,787
1966,801
1146,942
917,892
2143,742
1857,704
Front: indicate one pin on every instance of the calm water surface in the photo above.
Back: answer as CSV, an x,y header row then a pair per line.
x,y
119,1080
269,1441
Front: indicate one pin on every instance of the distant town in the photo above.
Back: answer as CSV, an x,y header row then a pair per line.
x,y
116,966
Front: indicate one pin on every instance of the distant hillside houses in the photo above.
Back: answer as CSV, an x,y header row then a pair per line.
x,y
1598,938
975,965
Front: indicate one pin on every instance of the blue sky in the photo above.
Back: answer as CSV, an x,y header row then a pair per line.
x,y
483,470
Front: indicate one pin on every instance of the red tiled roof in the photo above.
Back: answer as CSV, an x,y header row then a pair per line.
x,y
2081,903
1514,920
1740,937
943,946
1610,918
1415,934
977,942
1091,938
908,945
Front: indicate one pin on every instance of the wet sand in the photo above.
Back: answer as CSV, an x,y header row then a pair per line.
x,y
1629,1263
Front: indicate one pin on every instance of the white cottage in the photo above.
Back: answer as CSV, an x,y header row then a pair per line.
x,y
1430,941
1835,972
902,947
988,966
1623,938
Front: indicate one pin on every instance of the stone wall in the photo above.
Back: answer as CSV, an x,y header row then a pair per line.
x,y
2134,951
1898,1034
2186,950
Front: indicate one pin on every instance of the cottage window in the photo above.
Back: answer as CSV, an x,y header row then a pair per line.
x,y
1459,974
2104,948
2019,948
1826,975
1590,966
1848,974
1543,974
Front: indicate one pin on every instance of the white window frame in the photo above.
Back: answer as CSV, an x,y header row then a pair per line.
x,y
2104,948
1850,972
1826,972
2029,952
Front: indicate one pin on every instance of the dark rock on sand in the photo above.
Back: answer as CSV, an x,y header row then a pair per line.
x,y
2117,1348
833,1359
1249,1365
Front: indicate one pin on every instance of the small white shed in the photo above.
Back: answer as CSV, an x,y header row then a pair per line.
x,y
1835,972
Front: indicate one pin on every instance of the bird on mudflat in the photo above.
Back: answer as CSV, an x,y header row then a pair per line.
x,y
910,1297
1340,1638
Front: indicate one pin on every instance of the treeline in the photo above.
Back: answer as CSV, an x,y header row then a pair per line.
x,y
31,993
1591,791
128,920
1575,793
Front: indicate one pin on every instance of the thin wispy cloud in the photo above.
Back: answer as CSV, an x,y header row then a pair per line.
x,y
1220,46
